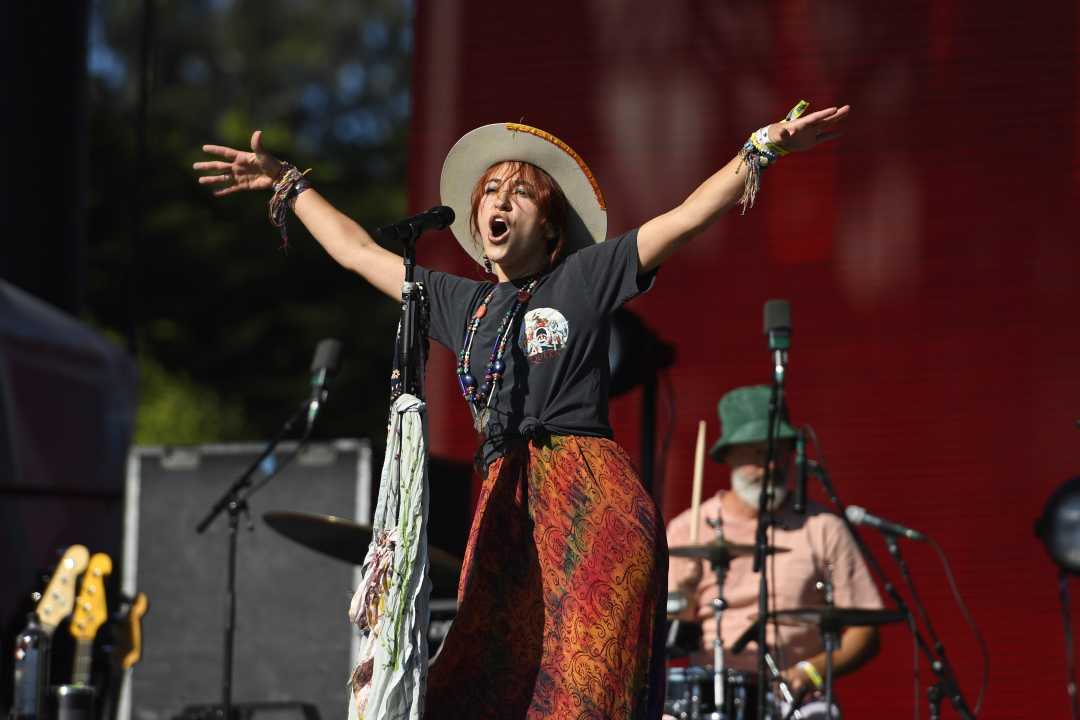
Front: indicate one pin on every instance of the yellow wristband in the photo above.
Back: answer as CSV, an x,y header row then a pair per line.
x,y
811,672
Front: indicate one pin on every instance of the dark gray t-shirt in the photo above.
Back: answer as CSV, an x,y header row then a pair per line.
x,y
557,373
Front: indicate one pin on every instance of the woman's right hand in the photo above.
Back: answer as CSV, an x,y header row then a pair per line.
x,y
239,170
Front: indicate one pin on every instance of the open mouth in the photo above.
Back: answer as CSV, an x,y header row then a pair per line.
x,y
499,228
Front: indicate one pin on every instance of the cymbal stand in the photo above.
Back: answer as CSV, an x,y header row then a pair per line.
x,y
719,604
829,636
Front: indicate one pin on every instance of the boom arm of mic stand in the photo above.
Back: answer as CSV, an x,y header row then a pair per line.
x,y
938,663
233,493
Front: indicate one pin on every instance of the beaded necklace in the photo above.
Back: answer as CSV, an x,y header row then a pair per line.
x,y
480,398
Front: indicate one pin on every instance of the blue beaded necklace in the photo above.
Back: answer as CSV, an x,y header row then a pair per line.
x,y
480,398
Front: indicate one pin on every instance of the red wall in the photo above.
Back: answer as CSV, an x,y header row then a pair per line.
x,y
930,257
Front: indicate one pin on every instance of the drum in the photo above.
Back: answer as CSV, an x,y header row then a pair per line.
x,y
690,695
813,707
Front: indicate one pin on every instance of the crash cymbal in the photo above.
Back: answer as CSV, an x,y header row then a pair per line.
x,y
345,540
718,551
832,618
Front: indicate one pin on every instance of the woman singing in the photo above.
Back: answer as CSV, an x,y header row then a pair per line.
x,y
559,607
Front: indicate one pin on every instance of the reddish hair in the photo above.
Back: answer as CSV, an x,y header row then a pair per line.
x,y
544,191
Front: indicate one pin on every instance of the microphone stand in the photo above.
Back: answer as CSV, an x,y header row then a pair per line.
x,y
234,501
946,683
776,403
1070,655
408,311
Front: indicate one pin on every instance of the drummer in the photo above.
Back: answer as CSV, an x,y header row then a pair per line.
x,y
819,544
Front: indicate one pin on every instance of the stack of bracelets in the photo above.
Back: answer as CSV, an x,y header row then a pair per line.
x,y
289,183
758,153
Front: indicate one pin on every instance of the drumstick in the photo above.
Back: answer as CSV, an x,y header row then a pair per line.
x,y
699,469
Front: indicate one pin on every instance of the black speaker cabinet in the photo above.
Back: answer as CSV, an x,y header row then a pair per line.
x,y
293,642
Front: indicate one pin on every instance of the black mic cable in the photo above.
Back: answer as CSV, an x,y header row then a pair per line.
x,y
798,503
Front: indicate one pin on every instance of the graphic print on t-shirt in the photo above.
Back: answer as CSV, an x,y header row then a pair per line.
x,y
546,334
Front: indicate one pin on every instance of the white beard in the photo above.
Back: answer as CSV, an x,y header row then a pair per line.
x,y
748,488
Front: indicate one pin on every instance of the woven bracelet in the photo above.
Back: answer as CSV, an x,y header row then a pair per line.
x,y
758,153
289,184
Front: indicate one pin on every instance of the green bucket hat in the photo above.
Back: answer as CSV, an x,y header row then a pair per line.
x,y
744,418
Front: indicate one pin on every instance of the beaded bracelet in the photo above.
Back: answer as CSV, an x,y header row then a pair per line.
x,y
289,183
759,152
811,673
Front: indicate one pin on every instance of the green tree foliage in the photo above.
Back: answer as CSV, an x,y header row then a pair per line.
x,y
174,410
224,319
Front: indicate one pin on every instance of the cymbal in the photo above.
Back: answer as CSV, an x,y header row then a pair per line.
x,y
345,540
832,618
719,552
828,618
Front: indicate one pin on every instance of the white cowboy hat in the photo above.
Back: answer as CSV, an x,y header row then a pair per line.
x,y
473,154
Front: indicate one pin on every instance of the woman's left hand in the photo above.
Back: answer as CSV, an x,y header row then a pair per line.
x,y
809,130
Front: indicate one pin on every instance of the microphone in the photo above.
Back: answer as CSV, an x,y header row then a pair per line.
x,y
798,503
437,218
324,366
778,330
858,516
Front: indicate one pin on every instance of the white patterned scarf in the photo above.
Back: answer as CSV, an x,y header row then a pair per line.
x,y
390,607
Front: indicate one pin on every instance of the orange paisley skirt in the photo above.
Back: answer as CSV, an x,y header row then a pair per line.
x,y
560,611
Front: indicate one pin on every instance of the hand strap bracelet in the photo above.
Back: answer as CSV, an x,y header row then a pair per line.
x,y
289,183
758,153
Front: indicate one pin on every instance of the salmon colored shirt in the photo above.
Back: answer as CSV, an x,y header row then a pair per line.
x,y
815,540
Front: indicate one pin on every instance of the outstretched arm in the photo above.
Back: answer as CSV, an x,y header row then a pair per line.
x,y
348,243
663,235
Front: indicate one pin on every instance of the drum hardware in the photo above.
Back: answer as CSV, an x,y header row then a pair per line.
x,y
731,691
835,618
719,604
683,638
830,620
442,614
829,636
676,603
345,540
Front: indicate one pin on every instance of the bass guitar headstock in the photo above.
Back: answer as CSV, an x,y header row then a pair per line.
x,y
58,600
91,610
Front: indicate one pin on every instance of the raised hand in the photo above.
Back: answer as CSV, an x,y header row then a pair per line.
x,y
809,130
239,170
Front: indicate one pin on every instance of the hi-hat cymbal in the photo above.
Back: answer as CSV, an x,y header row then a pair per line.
x,y
832,619
345,540
719,551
